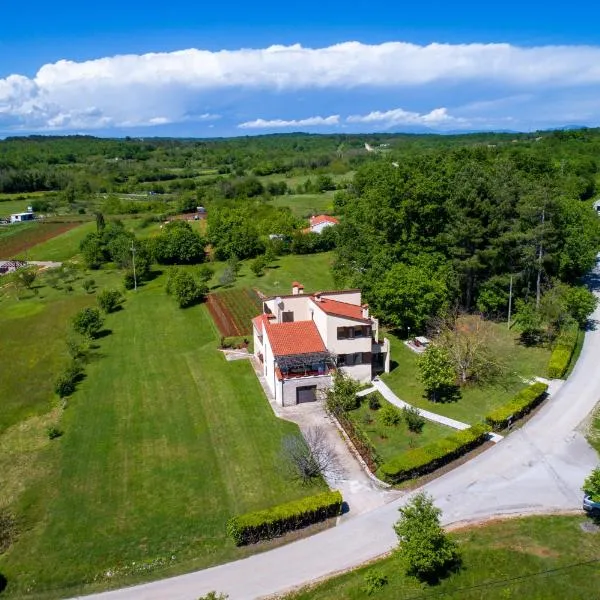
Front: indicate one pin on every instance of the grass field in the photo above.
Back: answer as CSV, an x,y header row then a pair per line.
x,y
33,352
305,205
8,207
17,240
312,270
476,401
62,247
164,441
391,440
537,558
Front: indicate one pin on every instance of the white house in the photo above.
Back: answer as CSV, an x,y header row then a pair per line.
x,y
300,340
20,217
320,222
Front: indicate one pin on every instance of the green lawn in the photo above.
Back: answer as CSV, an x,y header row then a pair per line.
x,y
33,352
312,270
8,207
62,247
164,441
305,205
537,558
391,440
476,401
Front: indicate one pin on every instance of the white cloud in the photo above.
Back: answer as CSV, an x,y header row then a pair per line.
x,y
437,118
155,88
280,123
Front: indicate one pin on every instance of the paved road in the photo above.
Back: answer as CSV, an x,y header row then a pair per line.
x,y
539,468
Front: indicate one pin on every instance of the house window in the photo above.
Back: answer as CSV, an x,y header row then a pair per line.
x,y
287,316
342,333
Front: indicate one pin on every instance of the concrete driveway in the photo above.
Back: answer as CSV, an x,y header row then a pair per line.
x,y
539,468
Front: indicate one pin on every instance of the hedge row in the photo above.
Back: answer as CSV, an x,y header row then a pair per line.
x,y
360,439
559,361
420,461
562,353
525,401
275,521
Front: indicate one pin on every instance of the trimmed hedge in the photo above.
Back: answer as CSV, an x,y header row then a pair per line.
x,y
525,401
421,461
562,352
559,361
275,521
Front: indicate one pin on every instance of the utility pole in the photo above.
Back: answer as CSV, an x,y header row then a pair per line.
x,y
133,260
510,300
540,256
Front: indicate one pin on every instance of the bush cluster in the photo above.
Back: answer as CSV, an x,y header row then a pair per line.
x,y
65,383
419,461
525,401
275,521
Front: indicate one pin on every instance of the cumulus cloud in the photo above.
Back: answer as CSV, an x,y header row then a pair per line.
x,y
280,123
437,118
160,88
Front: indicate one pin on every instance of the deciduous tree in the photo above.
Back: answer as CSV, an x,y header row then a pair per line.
x,y
425,549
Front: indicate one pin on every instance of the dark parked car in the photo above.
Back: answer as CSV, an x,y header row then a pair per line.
x,y
591,506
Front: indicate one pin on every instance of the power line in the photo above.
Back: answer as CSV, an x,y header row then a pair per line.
x,y
496,582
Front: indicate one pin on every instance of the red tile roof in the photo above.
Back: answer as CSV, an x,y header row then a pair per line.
x,y
318,219
341,309
299,337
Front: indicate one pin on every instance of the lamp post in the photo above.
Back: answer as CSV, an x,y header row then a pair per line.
x,y
408,332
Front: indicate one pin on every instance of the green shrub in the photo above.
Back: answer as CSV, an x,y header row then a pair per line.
x,y
389,415
591,485
53,433
525,401
419,461
374,401
64,386
128,280
374,581
88,285
275,521
109,300
413,419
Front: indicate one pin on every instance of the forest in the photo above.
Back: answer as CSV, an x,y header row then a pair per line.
x,y
429,224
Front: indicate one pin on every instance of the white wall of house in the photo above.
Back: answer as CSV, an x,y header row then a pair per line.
x,y
258,342
289,387
297,304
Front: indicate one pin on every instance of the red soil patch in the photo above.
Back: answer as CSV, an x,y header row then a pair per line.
x,y
13,244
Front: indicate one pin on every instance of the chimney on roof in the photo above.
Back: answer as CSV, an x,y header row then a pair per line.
x,y
365,311
297,288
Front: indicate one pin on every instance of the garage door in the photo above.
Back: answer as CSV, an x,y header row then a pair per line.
x,y
307,393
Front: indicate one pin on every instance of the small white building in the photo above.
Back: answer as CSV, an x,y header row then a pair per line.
x,y
597,206
300,340
21,217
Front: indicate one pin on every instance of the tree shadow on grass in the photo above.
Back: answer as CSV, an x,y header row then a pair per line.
x,y
445,395
103,333
435,578
3,583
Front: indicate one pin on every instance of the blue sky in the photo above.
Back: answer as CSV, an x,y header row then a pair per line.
x,y
428,66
